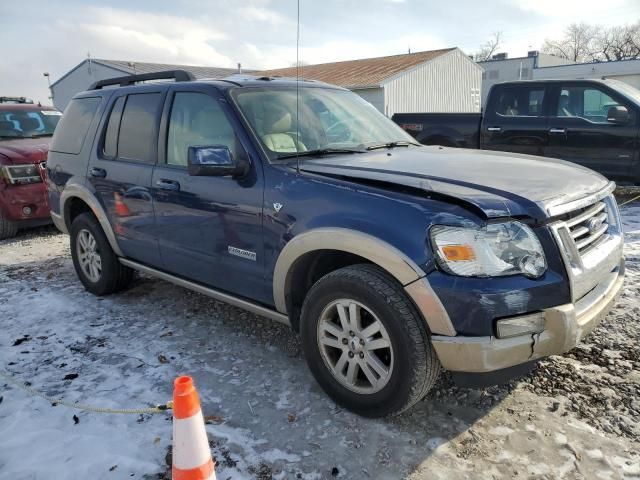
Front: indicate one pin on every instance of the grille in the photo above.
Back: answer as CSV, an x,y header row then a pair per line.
x,y
589,226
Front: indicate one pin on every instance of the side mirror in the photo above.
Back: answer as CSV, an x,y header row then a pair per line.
x,y
215,161
618,114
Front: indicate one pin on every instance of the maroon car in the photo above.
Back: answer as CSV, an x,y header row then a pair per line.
x,y
25,133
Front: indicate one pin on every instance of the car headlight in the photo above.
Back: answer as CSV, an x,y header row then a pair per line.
x,y
498,249
21,174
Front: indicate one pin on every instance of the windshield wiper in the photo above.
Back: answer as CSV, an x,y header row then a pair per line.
x,y
320,152
401,143
38,135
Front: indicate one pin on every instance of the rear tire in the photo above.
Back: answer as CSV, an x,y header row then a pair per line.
x,y
95,262
7,229
338,317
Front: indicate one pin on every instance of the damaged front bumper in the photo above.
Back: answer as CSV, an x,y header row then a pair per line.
x,y
565,326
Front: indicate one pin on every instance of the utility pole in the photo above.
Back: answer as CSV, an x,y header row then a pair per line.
x,y
46,74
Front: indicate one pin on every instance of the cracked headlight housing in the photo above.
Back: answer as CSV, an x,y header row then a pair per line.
x,y
498,249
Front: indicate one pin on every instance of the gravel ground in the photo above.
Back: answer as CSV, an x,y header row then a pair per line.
x,y
575,416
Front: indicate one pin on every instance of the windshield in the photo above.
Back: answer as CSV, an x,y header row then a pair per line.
x,y
626,89
329,119
28,123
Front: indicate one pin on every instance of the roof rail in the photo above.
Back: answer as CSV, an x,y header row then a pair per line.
x,y
177,75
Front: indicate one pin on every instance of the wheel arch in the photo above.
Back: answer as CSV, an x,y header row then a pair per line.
x,y
69,206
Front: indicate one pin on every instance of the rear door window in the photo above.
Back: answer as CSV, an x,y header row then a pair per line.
x,y
74,125
520,102
137,139
110,148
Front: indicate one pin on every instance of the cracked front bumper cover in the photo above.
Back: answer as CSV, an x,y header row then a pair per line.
x,y
565,326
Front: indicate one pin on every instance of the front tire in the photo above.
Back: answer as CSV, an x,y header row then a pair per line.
x,y
365,342
7,229
95,262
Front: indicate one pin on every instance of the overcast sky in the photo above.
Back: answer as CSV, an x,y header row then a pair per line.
x,y
39,36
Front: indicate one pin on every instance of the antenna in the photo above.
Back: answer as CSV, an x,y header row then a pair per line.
x,y
298,90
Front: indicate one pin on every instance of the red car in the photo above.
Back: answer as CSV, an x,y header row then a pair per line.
x,y
25,133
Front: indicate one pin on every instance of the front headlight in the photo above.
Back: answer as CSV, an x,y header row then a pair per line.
x,y
21,174
507,248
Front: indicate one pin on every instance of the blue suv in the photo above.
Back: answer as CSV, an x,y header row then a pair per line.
x,y
299,201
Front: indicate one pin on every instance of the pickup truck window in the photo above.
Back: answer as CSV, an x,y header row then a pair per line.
x,y
520,102
196,119
328,119
589,103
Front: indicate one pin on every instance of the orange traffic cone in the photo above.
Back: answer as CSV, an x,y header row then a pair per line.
x,y
121,208
191,453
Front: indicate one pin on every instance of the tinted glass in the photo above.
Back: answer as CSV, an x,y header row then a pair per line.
x,y
137,139
196,120
520,102
111,134
74,125
589,103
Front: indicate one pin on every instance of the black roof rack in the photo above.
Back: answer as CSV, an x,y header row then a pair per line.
x,y
177,75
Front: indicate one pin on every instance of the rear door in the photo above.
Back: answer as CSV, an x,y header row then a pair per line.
x,y
515,119
209,228
579,130
122,168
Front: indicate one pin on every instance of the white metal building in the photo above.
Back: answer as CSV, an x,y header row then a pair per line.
x,y
91,70
503,69
432,81
627,71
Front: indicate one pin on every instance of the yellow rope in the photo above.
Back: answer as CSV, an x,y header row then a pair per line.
x,y
629,201
80,406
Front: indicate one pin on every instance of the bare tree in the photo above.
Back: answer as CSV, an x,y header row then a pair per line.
x,y
589,43
619,43
490,47
301,63
577,45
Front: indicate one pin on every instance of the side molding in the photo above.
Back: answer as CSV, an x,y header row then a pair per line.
x,y
84,194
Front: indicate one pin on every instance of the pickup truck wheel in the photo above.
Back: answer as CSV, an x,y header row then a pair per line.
x,y
365,343
7,229
94,260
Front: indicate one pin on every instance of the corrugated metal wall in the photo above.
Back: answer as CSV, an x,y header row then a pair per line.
x,y
375,96
450,83
79,80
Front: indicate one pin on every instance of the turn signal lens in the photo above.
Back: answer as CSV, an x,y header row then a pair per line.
x,y
458,253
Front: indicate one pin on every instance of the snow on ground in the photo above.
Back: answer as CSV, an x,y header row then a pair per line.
x,y
568,419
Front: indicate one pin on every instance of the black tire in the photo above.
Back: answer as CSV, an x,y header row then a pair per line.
x,y
415,365
114,276
7,229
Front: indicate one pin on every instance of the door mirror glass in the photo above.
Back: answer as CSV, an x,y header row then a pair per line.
x,y
214,161
618,114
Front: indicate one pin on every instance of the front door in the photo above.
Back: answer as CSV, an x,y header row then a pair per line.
x,y
515,120
209,228
121,171
579,130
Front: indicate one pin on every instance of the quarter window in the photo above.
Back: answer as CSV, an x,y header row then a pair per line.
x,y
196,120
74,125
137,138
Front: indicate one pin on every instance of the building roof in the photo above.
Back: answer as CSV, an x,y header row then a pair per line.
x,y
363,73
131,68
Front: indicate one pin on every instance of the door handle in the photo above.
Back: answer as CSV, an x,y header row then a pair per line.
x,y
494,129
98,172
560,131
165,184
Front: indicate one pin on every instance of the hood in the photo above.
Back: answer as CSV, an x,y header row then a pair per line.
x,y
24,150
499,184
